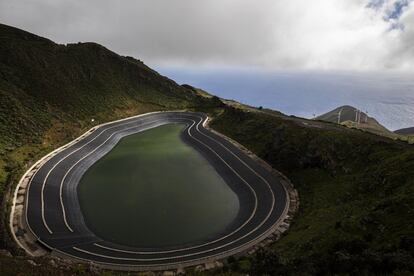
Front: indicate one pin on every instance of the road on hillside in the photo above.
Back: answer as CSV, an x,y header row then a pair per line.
x,y
54,216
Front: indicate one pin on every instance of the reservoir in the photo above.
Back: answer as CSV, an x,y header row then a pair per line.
x,y
154,191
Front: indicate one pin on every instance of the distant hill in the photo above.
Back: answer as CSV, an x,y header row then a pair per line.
x,y
352,117
405,131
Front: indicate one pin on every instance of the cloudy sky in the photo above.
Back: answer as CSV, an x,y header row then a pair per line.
x,y
298,56
276,34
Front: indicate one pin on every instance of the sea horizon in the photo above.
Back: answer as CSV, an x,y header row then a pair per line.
x,y
388,97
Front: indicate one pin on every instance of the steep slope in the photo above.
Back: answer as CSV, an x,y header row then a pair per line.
x,y
74,82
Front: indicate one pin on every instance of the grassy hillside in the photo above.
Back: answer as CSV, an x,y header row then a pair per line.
x,y
73,82
356,190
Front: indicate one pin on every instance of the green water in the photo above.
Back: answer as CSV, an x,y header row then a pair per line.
x,y
152,190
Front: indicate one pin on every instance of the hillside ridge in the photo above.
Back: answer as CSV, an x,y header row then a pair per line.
x,y
75,82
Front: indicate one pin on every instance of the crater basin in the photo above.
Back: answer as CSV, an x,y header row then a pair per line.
x,y
152,190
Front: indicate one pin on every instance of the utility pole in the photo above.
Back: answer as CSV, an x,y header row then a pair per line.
x,y
366,116
356,115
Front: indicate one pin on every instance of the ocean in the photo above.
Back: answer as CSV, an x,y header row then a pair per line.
x,y
388,97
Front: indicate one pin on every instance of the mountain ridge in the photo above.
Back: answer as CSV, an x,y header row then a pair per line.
x,y
75,81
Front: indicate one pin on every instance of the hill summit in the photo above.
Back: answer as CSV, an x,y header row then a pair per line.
x,y
347,113
353,117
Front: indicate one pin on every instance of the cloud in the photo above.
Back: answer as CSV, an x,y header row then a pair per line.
x,y
396,10
318,34
391,10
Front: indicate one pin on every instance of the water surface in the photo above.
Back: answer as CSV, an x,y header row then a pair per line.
x,y
153,190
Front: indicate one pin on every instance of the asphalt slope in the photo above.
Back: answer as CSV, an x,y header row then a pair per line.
x,y
54,216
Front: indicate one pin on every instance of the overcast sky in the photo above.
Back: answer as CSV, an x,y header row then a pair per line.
x,y
277,34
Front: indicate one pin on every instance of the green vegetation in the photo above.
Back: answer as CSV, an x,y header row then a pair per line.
x,y
39,266
156,170
356,191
